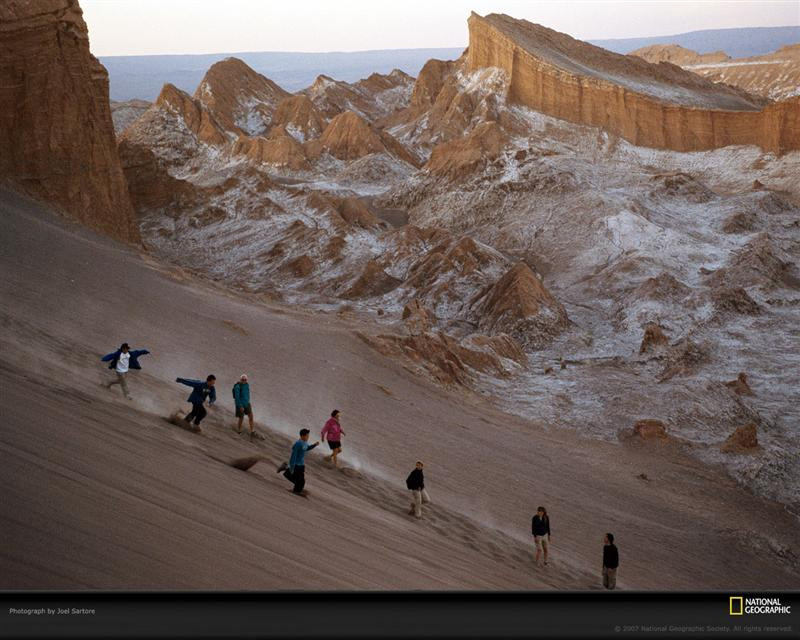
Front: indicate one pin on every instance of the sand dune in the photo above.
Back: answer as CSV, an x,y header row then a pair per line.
x,y
104,493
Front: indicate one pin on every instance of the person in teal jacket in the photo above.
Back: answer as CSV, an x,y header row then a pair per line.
x,y
200,391
295,471
241,398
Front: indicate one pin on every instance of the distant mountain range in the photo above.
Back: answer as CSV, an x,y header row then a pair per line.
x,y
143,76
737,43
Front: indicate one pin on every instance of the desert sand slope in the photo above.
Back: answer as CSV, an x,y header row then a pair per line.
x,y
100,493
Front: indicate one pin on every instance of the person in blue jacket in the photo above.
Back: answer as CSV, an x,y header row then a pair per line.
x,y
241,400
122,360
200,391
295,471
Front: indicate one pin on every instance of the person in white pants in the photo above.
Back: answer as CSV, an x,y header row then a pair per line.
x,y
121,361
416,484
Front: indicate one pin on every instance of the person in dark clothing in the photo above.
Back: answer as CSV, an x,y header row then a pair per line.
x,y
610,562
416,484
200,391
295,470
122,360
540,528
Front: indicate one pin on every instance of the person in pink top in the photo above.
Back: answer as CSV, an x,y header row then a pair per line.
x,y
333,432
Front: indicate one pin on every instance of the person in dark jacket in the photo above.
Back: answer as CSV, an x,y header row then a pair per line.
x,y
200,391
610,561
416,484
295,470
122,360
540,528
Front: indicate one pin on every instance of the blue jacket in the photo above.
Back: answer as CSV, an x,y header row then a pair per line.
x,y
241,394
132,364
200,392
298,458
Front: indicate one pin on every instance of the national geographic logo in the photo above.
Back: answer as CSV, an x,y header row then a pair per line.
x,y
739,606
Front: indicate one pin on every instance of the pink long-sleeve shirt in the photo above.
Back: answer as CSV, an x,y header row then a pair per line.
x,y
332,430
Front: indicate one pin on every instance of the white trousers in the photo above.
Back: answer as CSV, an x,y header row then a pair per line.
x,y
420,496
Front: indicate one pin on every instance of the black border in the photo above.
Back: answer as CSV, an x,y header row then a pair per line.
x,y
394,614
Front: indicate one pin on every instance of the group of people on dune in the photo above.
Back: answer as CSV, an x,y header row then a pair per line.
x,y
124,359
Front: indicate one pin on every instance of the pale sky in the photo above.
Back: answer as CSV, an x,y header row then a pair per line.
x,y
128,27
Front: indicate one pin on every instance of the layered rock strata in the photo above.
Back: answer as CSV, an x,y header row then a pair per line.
x,y
652,105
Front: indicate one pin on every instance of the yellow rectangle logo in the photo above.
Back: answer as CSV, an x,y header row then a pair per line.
x,y
737,605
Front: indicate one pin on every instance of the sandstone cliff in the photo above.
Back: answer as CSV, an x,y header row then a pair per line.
x,y
56,133
652,105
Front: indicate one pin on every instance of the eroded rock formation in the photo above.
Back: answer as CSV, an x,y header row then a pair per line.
x,y
652,105
241,99
519,304
56,132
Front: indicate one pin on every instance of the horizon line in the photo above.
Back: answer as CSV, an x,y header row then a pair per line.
x,y
333,52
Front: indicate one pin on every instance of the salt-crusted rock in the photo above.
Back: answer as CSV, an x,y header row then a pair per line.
x,y
740,386
519,304
650,429
654,338
743,440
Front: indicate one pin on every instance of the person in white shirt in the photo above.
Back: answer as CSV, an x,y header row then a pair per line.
x,y
122,360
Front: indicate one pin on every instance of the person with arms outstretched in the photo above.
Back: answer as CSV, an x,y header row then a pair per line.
x,y
200,391
295,470
123,360
334,432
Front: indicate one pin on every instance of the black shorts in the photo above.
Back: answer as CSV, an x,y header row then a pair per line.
x,y
243,411
334,445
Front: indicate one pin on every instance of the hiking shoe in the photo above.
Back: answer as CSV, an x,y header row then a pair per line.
x,y
283,467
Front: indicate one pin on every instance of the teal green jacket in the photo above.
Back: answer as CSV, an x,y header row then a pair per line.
x,y
241,394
